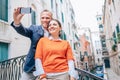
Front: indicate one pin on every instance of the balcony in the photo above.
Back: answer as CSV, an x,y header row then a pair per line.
x,y
3,27
105,52
102,35
5,32
12,69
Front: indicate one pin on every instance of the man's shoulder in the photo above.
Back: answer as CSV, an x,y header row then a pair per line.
x,y
36,27
44,39
65,41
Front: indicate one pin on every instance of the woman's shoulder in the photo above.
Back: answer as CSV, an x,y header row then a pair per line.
x,y
65,41
44,39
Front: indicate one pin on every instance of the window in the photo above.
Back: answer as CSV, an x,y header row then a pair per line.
x,y
113,2
114,5
52,4
4,10
85,53
3,51
76,37
33,17
61,1
114,36
110,11
98,60
119,57
63,35
72,17
74,46
96,51
62,17
99,18
57,10
101,28
117,28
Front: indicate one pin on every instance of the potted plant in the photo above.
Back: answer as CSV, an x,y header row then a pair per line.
x,y
114,47
118,37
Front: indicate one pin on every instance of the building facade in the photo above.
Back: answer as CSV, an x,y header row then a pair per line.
x,y
97,48
86,49
111,22
13,44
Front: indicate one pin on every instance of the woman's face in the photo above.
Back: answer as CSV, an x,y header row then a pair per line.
x,y
54,28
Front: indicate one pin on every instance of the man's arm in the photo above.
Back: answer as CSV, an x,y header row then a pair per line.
x,y
22,30
16,24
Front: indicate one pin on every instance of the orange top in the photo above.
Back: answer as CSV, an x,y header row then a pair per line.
x,y
54,54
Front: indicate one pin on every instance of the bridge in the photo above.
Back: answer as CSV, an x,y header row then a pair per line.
x,y
12,69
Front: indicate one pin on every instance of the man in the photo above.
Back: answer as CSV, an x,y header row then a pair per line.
x,y
34,33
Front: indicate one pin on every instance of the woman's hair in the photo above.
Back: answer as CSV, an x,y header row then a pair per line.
x,y
56,21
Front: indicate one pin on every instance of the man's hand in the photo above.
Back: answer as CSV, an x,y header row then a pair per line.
x,y
17,16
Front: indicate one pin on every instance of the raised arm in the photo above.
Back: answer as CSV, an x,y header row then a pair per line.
x,y
16,24
17,16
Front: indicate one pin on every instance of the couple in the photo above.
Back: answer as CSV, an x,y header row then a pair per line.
x,y
49,57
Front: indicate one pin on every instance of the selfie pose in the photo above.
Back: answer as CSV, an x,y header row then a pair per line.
x,y
54,58
34,32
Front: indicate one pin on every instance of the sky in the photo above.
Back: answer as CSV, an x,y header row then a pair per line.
x,y
86,11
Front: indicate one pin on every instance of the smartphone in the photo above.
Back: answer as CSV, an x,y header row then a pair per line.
x,y
25,10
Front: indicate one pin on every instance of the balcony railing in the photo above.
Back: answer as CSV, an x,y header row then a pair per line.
x,y
12,69
85,75
3,26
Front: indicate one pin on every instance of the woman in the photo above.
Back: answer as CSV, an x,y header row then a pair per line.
x,y
54,58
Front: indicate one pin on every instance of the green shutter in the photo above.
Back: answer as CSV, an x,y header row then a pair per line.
x,y
33,17
63,35
114,37
4,10
0,9
117,28
52,4
3,51
62,17
61,1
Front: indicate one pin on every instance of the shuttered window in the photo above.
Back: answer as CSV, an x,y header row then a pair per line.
x,y
3,51
4,10
33,17
63,35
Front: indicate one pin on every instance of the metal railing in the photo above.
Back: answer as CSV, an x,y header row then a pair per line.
x,y
12,69
85,75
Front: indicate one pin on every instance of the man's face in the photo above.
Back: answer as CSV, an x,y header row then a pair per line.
x,y
45,18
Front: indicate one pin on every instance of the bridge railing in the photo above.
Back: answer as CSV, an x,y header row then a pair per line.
x,y
86,75
11,69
